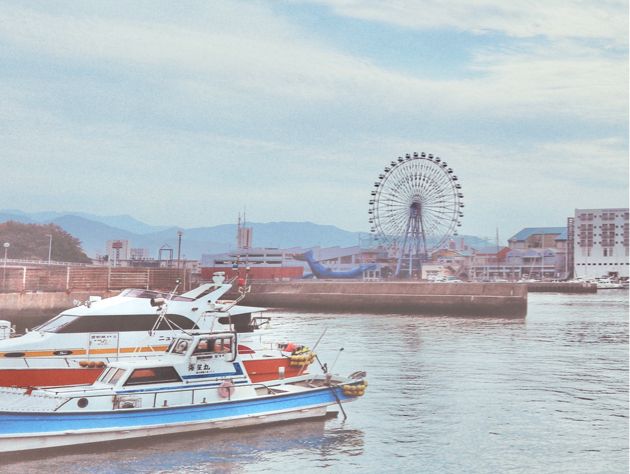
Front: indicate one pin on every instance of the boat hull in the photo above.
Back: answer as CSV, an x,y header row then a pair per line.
x,y
28,431
79,438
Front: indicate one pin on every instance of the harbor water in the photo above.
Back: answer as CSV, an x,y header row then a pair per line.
x,y
545,393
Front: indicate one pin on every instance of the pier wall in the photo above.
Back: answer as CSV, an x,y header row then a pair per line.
x,y
39,304
393,297
56,278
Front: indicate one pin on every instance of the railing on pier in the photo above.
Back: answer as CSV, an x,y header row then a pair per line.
x,y
70,278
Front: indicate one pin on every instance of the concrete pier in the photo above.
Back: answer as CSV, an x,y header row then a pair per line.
x,y
504,299
392,297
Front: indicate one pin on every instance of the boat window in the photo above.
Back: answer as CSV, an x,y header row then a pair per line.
x,y
214,345
180,346
223,345
203,347
56,324
153,375
106,374
115,323
115,376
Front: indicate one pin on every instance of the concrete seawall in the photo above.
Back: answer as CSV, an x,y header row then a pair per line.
x,y
393,297
324,295
42,304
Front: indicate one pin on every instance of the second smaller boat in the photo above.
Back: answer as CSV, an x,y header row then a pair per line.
x,y
199,384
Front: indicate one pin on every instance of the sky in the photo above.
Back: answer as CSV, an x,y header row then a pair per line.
x,y
186,113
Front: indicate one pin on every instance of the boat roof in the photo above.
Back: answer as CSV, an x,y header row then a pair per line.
x,y
140,301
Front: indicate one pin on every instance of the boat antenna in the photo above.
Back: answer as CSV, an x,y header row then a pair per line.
x,y
163,308
332,388
336,358
323,366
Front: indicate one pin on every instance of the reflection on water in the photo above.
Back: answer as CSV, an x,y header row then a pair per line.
x,y
222,451
546,393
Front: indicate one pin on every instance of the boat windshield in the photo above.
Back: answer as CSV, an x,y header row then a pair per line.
x,y
56,323
112,375
140,293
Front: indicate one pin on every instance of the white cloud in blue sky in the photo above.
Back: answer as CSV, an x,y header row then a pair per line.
x,y
185,112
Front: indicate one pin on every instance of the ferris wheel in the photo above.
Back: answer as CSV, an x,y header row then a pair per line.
x,y
415,208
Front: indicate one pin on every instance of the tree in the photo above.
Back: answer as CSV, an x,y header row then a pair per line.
x,y
31,242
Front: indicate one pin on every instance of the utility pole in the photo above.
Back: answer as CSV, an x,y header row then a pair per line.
x,y
49,247
6,246
179,246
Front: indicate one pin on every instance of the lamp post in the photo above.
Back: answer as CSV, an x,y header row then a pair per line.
x,y
49,246
179,245
6,246
542,258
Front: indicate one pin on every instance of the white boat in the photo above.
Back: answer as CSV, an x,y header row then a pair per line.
x,y
73,347
200,383
607,284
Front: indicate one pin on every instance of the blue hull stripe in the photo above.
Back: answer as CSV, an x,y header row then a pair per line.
x,y
178,387
20,424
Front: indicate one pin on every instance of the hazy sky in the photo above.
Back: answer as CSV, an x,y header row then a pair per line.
x,y
185,112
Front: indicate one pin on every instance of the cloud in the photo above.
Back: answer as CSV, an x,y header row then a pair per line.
x,y
605,20
279,66
116,105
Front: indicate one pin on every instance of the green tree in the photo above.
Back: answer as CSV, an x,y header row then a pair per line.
x,y
31,242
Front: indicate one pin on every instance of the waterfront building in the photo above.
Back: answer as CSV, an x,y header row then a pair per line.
x,y
539,237
540,253
449,262
259,263
489,264
117,250
284,264
139,254
244,234
601,241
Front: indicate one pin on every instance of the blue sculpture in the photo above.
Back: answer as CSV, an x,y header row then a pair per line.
x,y
322,272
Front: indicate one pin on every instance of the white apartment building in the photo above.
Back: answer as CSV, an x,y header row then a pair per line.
x,y
601,242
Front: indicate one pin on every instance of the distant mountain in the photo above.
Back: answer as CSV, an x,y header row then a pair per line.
x,y
124,222
17,216
95,231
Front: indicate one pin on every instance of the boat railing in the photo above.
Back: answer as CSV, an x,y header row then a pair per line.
x,y
194,400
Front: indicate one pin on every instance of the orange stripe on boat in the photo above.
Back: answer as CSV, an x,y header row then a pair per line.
x,y
83,352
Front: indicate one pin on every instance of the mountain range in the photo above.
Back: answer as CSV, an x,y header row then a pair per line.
x,y
94,231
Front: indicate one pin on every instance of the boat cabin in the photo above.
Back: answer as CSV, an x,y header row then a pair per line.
x,y
189,358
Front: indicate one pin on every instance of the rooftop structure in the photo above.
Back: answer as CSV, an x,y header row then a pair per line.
x,y
538,237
